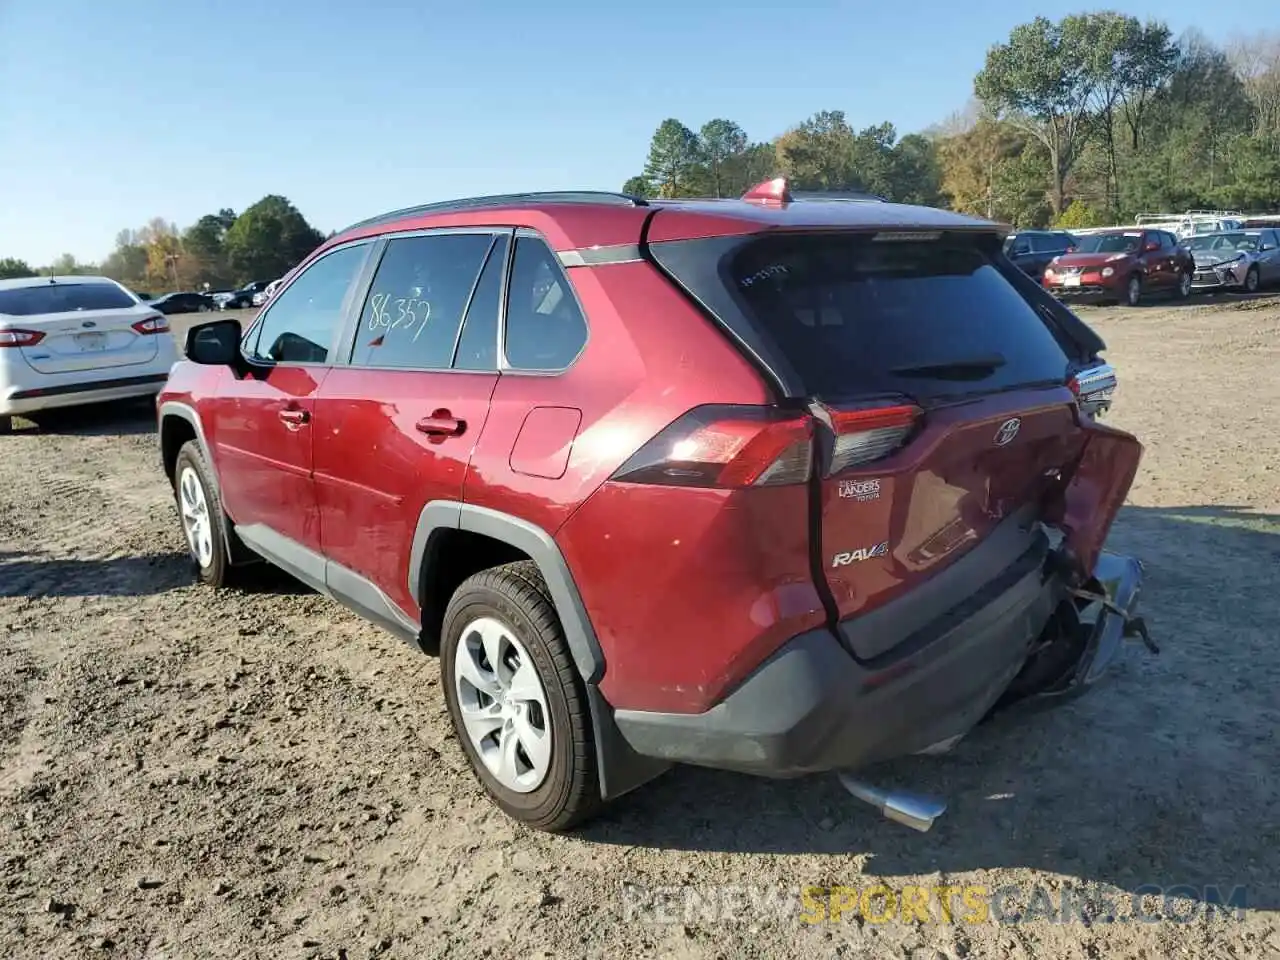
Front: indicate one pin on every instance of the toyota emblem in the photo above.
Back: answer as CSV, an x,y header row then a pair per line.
x,y
1008,430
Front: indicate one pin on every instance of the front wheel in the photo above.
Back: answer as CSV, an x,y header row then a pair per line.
x,y
1184,285
1133,291
517,704
201,515
6,424
1251,283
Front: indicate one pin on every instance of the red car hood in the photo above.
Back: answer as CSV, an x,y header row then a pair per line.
x,y
1090,259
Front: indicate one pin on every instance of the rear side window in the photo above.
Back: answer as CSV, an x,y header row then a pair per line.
x,y
414,309
63,298
545,328
924,318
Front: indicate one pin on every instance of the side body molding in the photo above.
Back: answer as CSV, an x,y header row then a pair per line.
x,y
621,768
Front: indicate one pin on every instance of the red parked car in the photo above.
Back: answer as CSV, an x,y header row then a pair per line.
x,y
1123,266
772,485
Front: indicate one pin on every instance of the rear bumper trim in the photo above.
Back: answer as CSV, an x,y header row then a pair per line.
x,y
812,707
90,386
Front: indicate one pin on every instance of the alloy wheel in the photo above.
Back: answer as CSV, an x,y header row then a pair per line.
x,y
195,516
503,705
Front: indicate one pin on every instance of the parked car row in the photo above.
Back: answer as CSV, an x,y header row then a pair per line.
x,y
1129,264
240,299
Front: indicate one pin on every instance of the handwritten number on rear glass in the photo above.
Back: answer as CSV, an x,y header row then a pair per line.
x,y
387,314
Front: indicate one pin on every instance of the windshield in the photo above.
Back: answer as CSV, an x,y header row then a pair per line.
x,y
854,315
1225,243
63,298
1109,243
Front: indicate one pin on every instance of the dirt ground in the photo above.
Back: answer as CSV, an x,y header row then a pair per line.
x,y
190,773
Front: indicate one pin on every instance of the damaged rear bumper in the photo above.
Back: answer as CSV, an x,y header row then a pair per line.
x,y
814,707
1105,615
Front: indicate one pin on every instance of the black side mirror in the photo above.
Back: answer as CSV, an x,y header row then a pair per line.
x,y
215,344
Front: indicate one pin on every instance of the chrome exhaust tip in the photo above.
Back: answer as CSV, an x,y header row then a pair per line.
x,y
915,810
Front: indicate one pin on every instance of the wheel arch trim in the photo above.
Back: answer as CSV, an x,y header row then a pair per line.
x,y
621,768
439,516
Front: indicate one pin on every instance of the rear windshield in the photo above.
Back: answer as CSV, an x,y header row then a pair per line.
x,y
856,315
63,298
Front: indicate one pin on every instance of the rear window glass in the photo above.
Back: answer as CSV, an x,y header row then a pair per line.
x,y
854,315
63,298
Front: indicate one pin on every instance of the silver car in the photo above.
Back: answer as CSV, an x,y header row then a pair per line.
x,y
1235,260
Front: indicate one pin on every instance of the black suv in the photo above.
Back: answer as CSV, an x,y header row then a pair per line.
x,y
1032,250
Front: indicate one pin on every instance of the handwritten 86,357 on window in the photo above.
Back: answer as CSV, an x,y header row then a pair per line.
x,y
408,313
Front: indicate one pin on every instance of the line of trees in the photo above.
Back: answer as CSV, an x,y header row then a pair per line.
x,y
222,249
1083,121
1087,120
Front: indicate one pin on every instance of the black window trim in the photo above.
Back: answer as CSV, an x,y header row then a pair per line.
x,y
254,333
346,346
504,367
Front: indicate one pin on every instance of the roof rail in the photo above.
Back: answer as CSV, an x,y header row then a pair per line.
x,y
854,195
504,200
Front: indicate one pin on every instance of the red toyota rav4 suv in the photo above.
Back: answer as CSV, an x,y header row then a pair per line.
x,y
772,485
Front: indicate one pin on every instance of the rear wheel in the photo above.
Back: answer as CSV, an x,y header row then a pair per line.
x,y
201,515
515,698
6,424
1133,291
1251,280
1184,285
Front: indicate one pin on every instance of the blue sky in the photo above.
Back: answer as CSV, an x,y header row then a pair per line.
x,y
112,113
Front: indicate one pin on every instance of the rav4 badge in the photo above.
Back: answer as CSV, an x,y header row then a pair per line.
x,y
866,553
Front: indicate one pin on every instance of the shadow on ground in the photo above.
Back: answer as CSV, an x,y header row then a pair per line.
x,y
34,574
1164,774
114,419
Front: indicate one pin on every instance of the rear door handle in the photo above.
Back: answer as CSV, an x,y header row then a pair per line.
x,y
295,418
441,424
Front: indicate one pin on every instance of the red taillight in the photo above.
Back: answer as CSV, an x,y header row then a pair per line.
x,y
869,433
726,446
20,338
151,325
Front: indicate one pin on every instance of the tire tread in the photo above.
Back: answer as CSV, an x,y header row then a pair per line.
x,y
521,586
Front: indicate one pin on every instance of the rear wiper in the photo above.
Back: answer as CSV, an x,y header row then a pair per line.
x,y
969,368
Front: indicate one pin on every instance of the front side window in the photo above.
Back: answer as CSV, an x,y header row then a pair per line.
x,y
415,304
299,325
545,328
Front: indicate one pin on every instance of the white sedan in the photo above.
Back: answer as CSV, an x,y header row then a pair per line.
x,y
68,341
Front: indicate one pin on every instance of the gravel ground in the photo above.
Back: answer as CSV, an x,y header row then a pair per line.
x,y
190,773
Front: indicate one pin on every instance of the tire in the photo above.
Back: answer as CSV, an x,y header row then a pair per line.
x,y
193,486
1251,284
6,424
508,611
1184,286
1133,291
